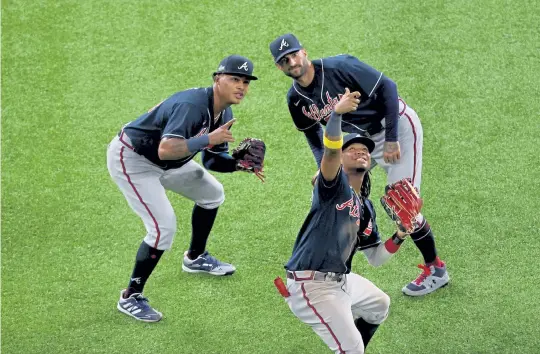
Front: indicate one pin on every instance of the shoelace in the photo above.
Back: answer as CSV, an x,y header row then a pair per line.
x,y
208,258
213,260
143,302
426,272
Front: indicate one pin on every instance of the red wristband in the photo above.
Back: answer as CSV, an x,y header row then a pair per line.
x,y
391,246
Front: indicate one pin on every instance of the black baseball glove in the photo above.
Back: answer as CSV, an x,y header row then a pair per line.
x,y
249,156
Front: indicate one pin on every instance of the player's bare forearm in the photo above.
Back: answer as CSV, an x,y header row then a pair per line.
x,y
173,149
178,148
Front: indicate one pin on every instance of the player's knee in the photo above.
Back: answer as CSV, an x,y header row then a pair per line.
x,y
358,349
161,234
379,310
218,197
167,235
385,302
383,306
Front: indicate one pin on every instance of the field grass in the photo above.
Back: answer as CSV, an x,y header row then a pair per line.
x,y
74,71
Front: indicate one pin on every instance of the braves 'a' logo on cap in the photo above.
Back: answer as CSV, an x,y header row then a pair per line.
x,y
283,44
244,66
221,68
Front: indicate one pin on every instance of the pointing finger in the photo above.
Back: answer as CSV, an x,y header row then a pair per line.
x,y
228,124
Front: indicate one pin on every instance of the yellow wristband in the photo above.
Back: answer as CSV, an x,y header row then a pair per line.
x,y
331,144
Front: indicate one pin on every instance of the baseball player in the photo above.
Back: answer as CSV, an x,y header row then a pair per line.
x,y
381,115
154,153
342,307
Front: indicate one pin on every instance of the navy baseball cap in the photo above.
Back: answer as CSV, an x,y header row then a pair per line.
x,y
357,138
236,65
284,45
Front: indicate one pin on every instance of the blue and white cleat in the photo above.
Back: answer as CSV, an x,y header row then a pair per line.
x,y
206,263
431,279
137,307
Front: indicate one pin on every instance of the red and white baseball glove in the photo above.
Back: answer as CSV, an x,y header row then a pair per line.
x,y
403,204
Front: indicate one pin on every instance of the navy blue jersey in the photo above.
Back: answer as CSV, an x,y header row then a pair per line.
x,y
313,104
329,236
185,114
368,233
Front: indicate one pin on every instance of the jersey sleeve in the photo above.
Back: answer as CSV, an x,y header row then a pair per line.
x,y
329,190
314,137
368,233
183,121
359,74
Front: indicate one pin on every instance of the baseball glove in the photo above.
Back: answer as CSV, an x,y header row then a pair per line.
x,y
403,204
249,156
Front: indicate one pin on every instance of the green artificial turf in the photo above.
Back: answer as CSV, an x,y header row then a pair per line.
x,y
73,72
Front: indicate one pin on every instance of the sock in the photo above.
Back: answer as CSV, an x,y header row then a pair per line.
x,y
367,330
202,221
437,262
424,240
145,262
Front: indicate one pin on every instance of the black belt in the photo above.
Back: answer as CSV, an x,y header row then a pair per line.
x,y
374,129
314,275
369,130
377,127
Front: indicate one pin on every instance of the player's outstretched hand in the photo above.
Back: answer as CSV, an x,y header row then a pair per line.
x,y
348,102
222,134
